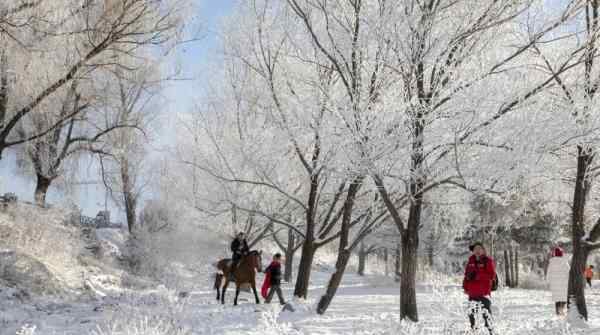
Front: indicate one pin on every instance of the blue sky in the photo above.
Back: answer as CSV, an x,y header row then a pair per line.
x,y
193,57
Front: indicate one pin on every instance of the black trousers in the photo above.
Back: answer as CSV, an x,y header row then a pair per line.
x,y
275,289
482,303
589,281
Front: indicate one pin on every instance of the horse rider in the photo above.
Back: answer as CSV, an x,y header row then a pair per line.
x,y
239,247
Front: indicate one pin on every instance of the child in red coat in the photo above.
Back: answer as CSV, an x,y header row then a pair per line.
x,y
272,283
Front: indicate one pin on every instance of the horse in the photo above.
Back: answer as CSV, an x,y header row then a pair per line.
x,y
245,273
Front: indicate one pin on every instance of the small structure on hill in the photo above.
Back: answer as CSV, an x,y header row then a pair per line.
x,y
102,220
7,199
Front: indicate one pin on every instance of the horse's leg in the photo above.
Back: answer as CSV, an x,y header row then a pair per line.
x,y
237,293
255,293
223,291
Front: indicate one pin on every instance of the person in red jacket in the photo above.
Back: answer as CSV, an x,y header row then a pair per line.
x,y
477,283
272,282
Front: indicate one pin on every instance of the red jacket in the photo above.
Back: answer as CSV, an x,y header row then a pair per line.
x,y
478,278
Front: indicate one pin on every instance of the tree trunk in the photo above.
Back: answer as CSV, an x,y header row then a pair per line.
x,y
507,278
385,259
430,252
408,298
344,248
41,189
580,253
362,257
3,87
398,262
511,259
410,234
129,197
334,281
289,256
308,246
306,260
516,267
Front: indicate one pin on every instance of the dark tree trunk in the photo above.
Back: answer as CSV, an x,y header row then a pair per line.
x,y
398,262
580,253
334,281
362,258
129,197
507,267
290,251
41,189
308,246
516,267
344,248
3,87
386,260
306,260
410,235
408,298
511,259
430,252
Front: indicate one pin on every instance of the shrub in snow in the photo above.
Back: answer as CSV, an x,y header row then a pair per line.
x,y
25,272
160,312
145,326
269,324
167,248
532,281
35,233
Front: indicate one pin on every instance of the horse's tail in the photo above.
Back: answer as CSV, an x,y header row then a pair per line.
x,y
218,279
220,266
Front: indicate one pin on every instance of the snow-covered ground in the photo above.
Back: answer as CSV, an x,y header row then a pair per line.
x,y
359,308
99,298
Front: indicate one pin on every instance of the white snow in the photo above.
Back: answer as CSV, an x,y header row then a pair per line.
x,y
359,308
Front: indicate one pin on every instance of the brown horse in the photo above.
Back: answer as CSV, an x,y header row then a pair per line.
x,y
245,273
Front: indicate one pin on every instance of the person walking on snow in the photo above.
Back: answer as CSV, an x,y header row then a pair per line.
x,y
589,274
272,283
558,278
477,283
239,247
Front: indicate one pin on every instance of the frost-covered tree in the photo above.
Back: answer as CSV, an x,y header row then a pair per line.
x,y
46,45
279,103
571,147
123,153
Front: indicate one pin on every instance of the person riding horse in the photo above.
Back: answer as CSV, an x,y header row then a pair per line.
x,y
239,248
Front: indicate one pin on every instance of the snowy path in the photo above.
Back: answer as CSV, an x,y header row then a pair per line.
x,y
357,309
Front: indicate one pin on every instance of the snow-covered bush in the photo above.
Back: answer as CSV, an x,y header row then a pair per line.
x,y
169,247
36,232
158,312
268,324
145,326
532,281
